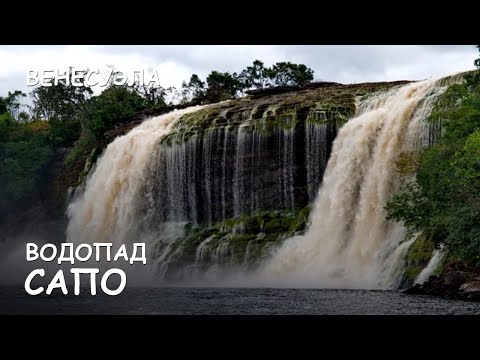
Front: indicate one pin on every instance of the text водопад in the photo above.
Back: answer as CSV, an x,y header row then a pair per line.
x,y
82,253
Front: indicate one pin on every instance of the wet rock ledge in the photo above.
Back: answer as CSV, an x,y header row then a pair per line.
x,y
454,284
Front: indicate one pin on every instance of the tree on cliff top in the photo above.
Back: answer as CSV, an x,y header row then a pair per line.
x,y
281,74
286,73
153,95
114,104
61,102
255,76
222,86
194,90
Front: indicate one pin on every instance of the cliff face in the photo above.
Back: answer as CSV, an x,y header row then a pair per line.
x,y
254,154
242,174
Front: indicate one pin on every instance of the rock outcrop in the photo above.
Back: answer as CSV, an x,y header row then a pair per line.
x,y
453,284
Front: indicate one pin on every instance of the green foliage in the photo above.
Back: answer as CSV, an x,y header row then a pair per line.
x,y
64,133
62,102
417,258
286,73
6,122
250,233
255,76
113,105
194,90
12,102
83,146
408,163
410,206
222,86
23,117
153,95
444,200
27,146
420,251
25,151
280,74
3,106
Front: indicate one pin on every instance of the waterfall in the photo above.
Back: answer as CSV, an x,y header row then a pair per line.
x,y
320,132
349,243
227,171
224,189
432,265
105,212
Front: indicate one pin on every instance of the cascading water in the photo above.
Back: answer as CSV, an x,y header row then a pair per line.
x,y
319,135
349,243
435,260
225,172
161,180
105,212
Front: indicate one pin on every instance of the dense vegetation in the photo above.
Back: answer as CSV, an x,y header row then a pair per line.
x,y
443,202
66,116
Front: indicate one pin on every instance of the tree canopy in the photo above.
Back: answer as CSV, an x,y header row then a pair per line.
x,y
222,86
194,90
255,76
286,73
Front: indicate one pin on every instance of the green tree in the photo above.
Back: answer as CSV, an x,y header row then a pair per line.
x,y
287,73
3,106
23,117
61,102
154,95
6,122
222,86
114,104
255,76
13,103
194,91
25,151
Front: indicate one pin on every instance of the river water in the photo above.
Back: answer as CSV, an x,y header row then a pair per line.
x,y
250,301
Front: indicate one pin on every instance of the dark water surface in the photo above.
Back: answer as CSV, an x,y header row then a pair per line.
x,y
261,301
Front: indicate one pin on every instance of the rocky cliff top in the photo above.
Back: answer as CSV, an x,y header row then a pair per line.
x,y
323,95
281,106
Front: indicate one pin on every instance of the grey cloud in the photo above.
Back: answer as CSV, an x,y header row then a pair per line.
x,y
329,61
449,48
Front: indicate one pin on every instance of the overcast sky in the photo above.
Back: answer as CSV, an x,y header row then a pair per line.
x,y
345,64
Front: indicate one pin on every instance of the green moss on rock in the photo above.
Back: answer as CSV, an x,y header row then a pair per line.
x,y
411,273
420,252
301,220
284,110
247,238
418,256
